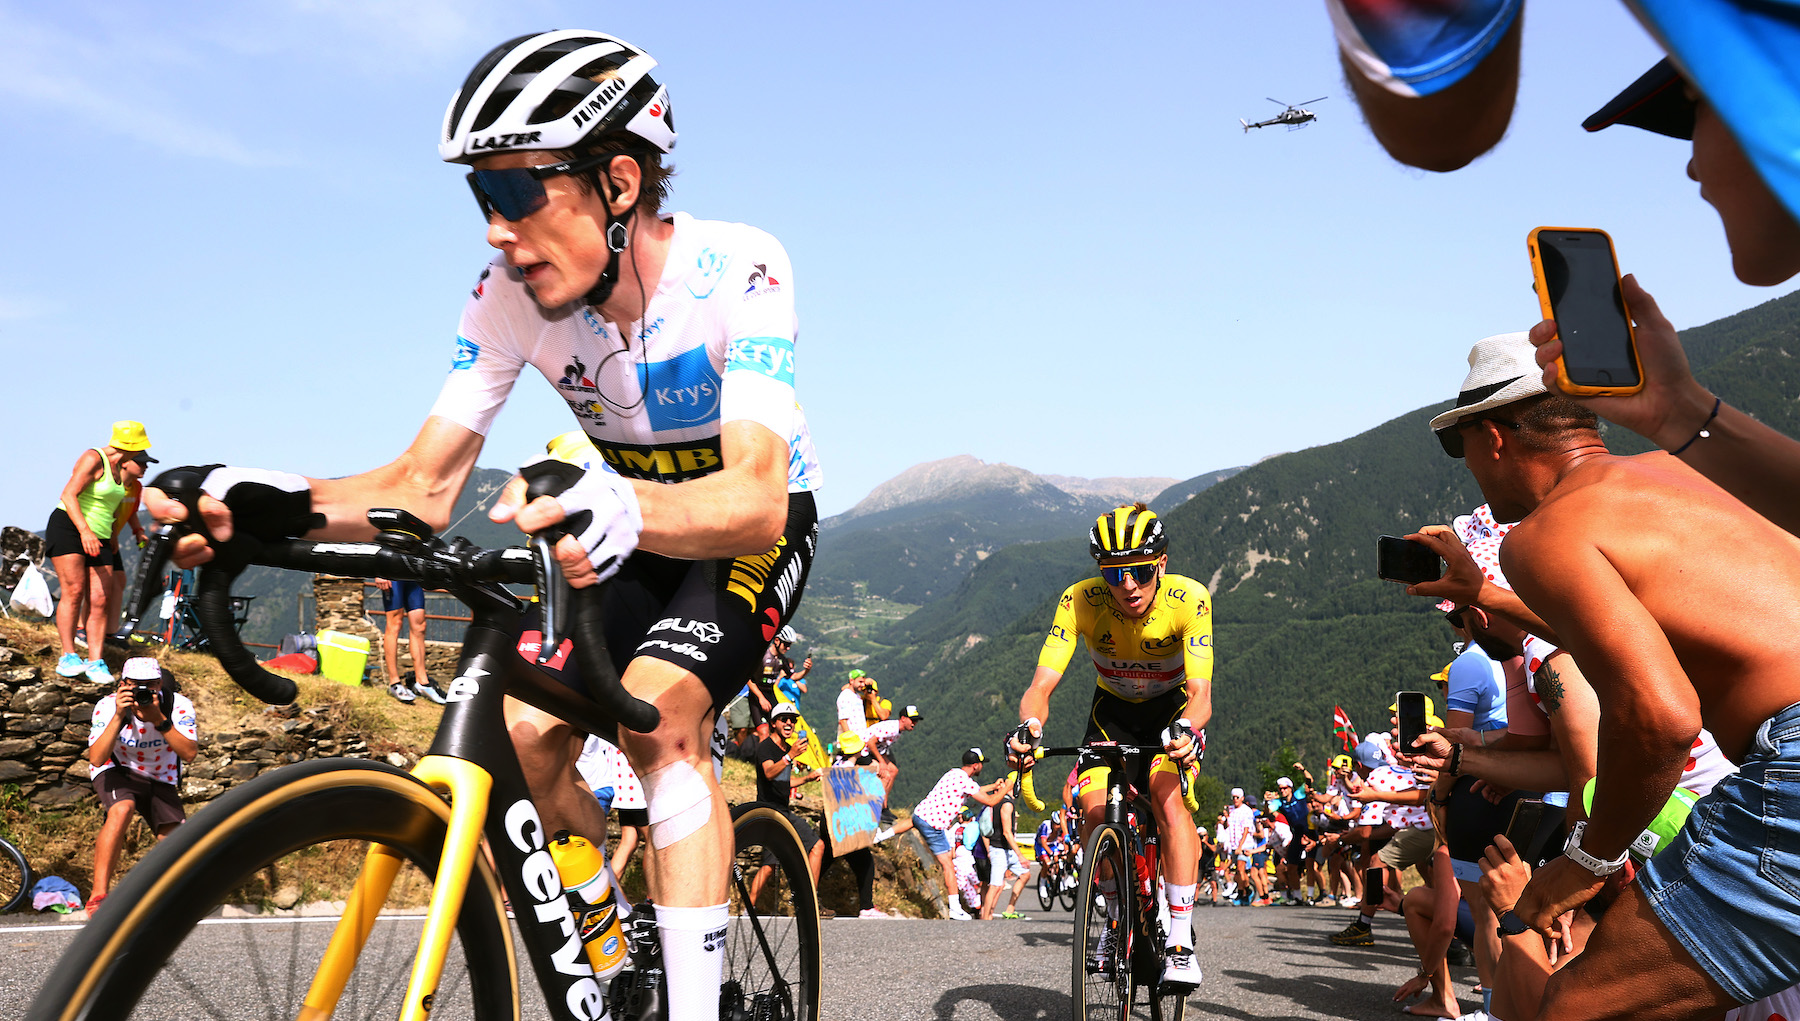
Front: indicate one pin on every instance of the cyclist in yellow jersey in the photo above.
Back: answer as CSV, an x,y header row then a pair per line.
x,y
1150,636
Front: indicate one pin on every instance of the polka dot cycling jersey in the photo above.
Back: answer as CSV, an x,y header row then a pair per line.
x,y
715,345
1136,658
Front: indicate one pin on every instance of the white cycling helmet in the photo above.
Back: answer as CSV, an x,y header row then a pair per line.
x,y
786,634
546,91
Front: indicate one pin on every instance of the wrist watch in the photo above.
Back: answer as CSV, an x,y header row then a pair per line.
x,y
1598,866
165,726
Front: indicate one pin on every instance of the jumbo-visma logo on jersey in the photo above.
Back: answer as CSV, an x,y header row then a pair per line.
x,y
682,392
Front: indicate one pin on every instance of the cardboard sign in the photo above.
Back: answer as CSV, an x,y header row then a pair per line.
x,y
854,798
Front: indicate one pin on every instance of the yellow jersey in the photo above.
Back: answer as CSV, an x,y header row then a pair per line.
x,y
1137,658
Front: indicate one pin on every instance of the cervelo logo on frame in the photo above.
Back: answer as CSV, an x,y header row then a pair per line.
x,y
551,905
465,687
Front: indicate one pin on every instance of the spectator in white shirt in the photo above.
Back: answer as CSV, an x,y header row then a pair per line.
x,y
139,738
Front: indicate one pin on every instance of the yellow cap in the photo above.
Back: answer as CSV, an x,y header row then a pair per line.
x,y
573,447
1433,721
129,435
1341,762
850,744
873,686
1442,676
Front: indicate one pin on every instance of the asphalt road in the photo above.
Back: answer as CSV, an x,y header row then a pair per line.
x,y
1266,963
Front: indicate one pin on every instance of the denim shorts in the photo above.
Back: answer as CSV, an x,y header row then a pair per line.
x,y
936,840
1728,886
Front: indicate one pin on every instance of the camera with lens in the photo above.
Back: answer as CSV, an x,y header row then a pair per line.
x,y
143,695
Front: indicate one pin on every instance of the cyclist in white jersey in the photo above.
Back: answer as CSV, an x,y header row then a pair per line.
x,y
671,339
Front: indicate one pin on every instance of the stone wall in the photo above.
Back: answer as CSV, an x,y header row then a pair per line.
x,y
44,726
338,606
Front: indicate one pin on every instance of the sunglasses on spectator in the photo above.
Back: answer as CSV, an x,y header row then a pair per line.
x,y
517,192
1461,622
1450,437
1143,574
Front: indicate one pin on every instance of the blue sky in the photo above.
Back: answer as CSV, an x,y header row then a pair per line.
x,y
1029,232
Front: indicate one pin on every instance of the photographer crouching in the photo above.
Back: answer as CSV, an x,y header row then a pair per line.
x,y
140,736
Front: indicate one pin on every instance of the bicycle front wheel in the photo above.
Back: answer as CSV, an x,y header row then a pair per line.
x,y
15,877
162,946
1101,985
1047,882
1070,886
772,964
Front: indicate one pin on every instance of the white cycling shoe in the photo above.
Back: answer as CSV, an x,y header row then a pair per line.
x,y
1180,968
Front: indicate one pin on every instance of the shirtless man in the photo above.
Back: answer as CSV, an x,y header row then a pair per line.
x,y
1682,606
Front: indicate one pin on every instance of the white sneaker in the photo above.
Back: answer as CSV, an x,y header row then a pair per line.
x,y
956,911
1349,902
401,692
873,913
1180,968
429,692
98,672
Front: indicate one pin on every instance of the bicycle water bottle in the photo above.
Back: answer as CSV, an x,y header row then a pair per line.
x,y
589,883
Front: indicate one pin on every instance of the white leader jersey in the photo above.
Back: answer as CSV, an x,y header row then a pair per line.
x,y
717,346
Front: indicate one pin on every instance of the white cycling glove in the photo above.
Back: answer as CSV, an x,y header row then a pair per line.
x,y
601,512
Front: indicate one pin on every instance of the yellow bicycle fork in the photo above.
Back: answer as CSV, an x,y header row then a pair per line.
x,y
468,786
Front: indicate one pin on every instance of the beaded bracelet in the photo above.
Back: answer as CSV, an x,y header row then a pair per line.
x,y
1702,433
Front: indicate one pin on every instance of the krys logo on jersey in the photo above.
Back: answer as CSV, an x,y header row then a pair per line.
x,y
682,392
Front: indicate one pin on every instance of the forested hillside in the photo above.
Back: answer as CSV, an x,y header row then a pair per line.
x,y
1287,548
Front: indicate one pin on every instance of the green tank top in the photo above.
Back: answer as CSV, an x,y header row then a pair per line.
x,y
100,498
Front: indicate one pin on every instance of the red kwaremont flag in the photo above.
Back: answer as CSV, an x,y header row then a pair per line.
x,y
1340,726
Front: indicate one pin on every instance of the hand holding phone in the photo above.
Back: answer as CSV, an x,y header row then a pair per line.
x,y
1406,561
1577,280
1411,713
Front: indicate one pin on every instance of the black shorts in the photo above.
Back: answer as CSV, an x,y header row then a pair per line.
x,y
61,538
159,803
1117,719
1296,852
631,817
712,618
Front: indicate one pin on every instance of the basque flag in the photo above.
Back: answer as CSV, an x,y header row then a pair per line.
x,y
1340,725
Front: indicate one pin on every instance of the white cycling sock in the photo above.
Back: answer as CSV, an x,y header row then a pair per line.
x,y
693,946
1109,893
1181,915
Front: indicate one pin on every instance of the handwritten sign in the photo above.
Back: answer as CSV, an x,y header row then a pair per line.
x,y
854,798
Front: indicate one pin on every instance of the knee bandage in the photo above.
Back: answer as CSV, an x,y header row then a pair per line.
x,y
679,802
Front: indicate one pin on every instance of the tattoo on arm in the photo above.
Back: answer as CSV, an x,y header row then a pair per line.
x,y
1549,687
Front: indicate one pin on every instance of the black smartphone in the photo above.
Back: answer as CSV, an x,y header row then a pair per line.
x,y
1406,561
1522,830
1578,286
1411,712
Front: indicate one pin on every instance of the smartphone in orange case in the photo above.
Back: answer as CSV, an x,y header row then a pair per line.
x,y
1577,281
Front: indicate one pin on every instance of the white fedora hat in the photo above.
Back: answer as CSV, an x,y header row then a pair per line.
x,y
1502,369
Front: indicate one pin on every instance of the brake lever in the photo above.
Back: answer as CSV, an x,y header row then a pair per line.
x,y
549,478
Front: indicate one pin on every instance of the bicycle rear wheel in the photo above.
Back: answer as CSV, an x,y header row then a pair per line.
x,y
1101,982
1071,886
772,965
1047,881
152,952
15,877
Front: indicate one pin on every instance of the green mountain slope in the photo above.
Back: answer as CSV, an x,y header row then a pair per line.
x,y
1287,548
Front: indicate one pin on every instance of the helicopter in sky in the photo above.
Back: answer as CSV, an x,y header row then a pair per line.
x,y
1295,116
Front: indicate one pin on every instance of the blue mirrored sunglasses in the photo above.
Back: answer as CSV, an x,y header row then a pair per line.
x,y
517,192
1143,574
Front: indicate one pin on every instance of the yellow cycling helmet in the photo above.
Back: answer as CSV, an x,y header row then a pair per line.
x,y
1128,530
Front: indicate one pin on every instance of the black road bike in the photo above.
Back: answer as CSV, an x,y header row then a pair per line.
x,y
1118,947
415,837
